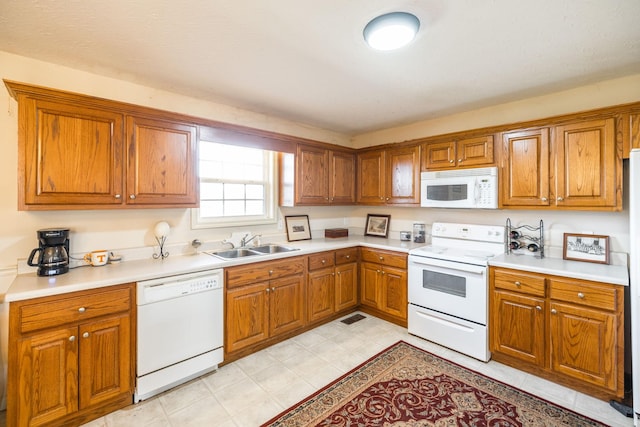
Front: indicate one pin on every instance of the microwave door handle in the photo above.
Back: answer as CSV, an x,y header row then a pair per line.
x,y
476,191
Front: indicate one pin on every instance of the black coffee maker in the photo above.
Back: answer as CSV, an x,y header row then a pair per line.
x,y
53,252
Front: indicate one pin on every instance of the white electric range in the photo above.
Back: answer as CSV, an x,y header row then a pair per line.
x,y
448,286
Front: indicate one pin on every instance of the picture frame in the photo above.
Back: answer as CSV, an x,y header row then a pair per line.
x,y
377,225
586,247
297,227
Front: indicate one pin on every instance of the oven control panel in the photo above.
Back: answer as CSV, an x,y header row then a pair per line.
x,y
477,232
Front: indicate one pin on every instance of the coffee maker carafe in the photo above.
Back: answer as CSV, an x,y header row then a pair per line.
x,y
53,252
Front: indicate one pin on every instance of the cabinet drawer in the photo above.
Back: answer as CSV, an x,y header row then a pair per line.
x,y
345,256
321,260
591,294
252,273
516,281
54,311
392,259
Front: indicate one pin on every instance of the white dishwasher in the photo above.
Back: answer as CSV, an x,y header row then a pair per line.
x,y
180,330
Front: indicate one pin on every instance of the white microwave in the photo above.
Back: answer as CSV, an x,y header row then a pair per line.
x,y
464,188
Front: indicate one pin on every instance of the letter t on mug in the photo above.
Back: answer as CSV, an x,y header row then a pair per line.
x,y
97,258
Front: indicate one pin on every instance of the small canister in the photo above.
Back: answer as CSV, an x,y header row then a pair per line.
x,y
419,231
405,236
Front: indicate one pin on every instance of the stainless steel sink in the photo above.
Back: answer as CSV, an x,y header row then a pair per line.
x,y
235,253
257,250
273,249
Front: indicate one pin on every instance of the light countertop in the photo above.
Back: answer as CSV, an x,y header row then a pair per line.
x,y
613,274
26,286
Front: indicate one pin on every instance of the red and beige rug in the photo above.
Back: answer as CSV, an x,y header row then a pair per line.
x,y
406,386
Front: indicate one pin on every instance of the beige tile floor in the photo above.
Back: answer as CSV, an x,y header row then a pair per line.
x,y
252,390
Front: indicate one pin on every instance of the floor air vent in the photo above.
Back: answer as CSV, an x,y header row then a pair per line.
x,y
353,319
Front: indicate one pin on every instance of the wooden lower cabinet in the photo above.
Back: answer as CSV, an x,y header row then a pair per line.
x,y
383,284
566,330
71,357
263,300
332,288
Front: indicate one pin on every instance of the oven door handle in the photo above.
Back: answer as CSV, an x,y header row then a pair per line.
x,y
467,268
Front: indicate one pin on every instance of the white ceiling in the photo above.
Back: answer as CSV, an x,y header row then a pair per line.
x,y
306,61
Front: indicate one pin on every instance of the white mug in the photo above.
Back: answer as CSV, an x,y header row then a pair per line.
x,y
97,258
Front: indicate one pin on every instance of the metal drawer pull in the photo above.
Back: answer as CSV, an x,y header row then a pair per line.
x,y
323,261
82,309
72,338
554,311
538,308
347,256
517,283
270,272
85,335
580,295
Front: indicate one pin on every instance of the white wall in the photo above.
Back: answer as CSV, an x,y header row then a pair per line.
x,y
115,229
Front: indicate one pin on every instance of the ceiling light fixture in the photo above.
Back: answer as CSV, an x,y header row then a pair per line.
x,y
391,31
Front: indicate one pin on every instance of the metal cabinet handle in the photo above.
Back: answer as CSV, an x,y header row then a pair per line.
x,y
72,338
538,308
554,311
544,199
451,161
132,196
82,309
516,283
347,256
333,274
270,272
560,199
580,295
381,258
268,290
382,272
377,271
339,273
324,260
459,160
117,196
85,335
273,289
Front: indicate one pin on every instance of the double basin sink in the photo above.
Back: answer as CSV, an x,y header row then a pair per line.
x,y
253,251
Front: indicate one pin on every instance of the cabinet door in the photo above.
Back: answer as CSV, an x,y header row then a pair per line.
x,y
584,344
524,176
105,360
286,304
312,176
71,155
48,373
517,326
369,277
342,174
394,291
439,155
346,289
403,172
161,163
320,294
585,172
634,131
371,178
247,316
475,151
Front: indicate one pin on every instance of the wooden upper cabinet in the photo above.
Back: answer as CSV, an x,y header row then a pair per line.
x,y
161,161
371,178
524,175
81,152
390,176
403,172
588,171
68,155
324,176
477,151
634,130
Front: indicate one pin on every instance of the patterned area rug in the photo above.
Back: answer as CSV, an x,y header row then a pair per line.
x,y
406,386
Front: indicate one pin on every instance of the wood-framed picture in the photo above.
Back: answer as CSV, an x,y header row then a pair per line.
x,y
377,225
586,247
297,227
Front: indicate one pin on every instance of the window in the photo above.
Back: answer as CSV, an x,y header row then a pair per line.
x,y
236,186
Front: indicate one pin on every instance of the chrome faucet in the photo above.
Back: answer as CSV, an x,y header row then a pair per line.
x,y
244,241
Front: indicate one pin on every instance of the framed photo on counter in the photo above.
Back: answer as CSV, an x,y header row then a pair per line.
x,y
377,225
297,227
586,247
